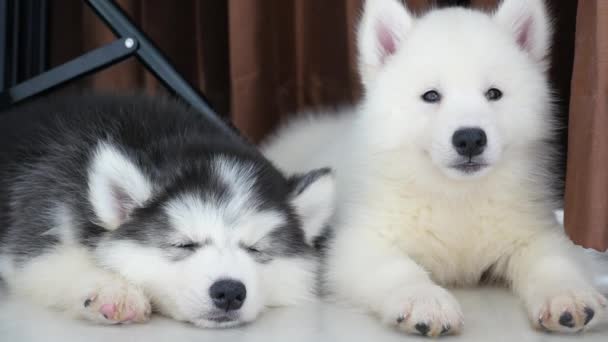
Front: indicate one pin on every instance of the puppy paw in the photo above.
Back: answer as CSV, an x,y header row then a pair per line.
x,y
116,302
569,311
427,310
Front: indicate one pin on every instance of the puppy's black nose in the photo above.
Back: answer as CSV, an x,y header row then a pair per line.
x,y
228,294
469,142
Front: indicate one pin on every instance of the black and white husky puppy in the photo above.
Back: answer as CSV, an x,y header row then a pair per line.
x,y
112,207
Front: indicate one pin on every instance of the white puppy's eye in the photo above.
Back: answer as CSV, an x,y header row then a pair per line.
x,y
493,94
431,96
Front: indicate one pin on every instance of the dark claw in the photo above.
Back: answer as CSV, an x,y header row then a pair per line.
x,y
400,319
105,316
445,329
566,320
87,302
590,313
422,328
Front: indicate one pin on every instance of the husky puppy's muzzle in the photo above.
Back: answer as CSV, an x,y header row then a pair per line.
x,y
228,297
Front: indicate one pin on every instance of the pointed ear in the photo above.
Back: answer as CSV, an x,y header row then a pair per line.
x,y
381,31
313,195
116,186
528,22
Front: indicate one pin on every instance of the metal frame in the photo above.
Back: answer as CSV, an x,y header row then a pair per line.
x,y
131,42
3,42
82,66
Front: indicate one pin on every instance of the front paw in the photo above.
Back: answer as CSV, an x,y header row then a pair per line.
x,y
428,310
116,302
568,311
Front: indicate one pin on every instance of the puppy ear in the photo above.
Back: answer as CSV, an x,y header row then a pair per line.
x,y
116,186
382,29
528,22
313,195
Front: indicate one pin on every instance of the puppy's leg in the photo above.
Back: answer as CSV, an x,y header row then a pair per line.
x,y
68,280
549,274
365,269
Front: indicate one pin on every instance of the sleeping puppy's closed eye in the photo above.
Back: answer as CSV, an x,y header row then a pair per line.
x,y
150,206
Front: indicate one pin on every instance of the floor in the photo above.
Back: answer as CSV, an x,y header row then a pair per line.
x,y
490,315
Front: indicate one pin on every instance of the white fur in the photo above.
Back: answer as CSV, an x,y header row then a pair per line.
x,y
183,292
315,205
131,276
62,225
188,212
527,20
116,186
224,228
406,220
381,32
66,277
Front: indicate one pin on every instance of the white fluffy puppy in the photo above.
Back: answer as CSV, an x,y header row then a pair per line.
x,y
441,171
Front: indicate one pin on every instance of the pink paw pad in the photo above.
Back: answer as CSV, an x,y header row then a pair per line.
x,y
110,312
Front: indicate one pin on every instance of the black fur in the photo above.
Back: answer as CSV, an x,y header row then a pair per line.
x,y
299,183
46,150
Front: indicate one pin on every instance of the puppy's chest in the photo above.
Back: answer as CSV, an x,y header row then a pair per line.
x,y
456,242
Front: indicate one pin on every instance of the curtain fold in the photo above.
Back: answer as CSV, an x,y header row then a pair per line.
x,y
191,33
259,61
587,182
288,55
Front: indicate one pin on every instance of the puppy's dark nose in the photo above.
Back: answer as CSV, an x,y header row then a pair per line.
x,y
469,142
228,294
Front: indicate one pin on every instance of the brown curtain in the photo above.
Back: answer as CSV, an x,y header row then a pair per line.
x,y
287,55
192,33
260,60
587,182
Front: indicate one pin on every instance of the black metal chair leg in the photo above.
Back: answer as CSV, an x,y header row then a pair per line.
x,y
79,67
151,57
131,42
